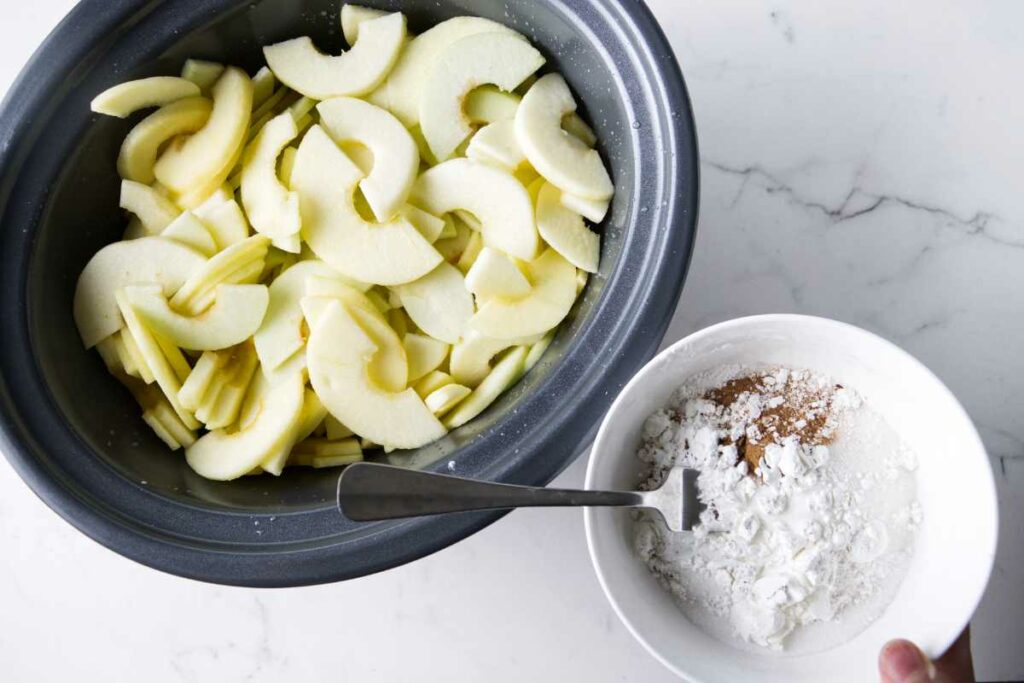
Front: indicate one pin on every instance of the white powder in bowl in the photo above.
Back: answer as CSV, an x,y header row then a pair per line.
x,y
811,508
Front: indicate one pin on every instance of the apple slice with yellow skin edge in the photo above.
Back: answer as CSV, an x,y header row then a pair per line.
x,y
432,382
396,160
124,99
378,253
154,357
272,209
493,274
553,294
154,211
299,65
402,90
226,223
202,73
201,379
223,456
562,159
439,303
335,430
313,413
145,260
506,372
389,366
191,232
140,148
352,17
496,143
499,59
425,354
592,209
204,280
538,350
234,317
444,399
205,159
565,231
471,358
339,355
498,201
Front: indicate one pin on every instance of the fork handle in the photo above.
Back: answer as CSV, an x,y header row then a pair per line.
x,y
370,492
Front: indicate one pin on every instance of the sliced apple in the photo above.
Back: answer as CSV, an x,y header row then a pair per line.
x,y
389,366
192,298
353,16
223,401
538,350
202,73
380,253
396,160
439,303
299,65
506,373
140,148
561,158
335,430
199,165
446,398
149,259
225,221
500,59
154,211
489,104
578,128
272,209
234,317
554,291
594,210
402,91
565,230
498,201
263,85
432,382
451,248
493,274
124,99
425,355
429,225
339,353
223,456
133,358
496,143
313,413
471,358
191,232
199,381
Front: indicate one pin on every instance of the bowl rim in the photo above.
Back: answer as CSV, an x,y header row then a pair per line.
x,y
590,514
94,22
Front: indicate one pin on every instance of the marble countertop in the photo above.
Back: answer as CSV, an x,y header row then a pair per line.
x,y
860,161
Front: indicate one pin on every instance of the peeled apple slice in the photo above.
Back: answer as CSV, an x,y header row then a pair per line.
x,y
396,160
202,73
471,358
439,303
206,158
339,352
493,274
225,221
565,230
280,335
446,398
145,260
313,413
272,209
299,65
154,211
234,317
562,159
498,201
273,415
591,209
191,232
139,150
506,373
496,143
401,92
549,302
425,355
352,16
123,99
488,104
429,225
380,253
499,59
191,299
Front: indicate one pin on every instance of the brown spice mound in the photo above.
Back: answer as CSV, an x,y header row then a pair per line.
x,y
791,407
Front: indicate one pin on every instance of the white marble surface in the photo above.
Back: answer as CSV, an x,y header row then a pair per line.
x,y
860,161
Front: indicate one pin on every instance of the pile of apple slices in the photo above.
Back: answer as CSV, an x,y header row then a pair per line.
x,y
342,252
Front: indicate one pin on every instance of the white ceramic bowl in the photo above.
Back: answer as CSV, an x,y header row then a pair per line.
x,y
955,545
